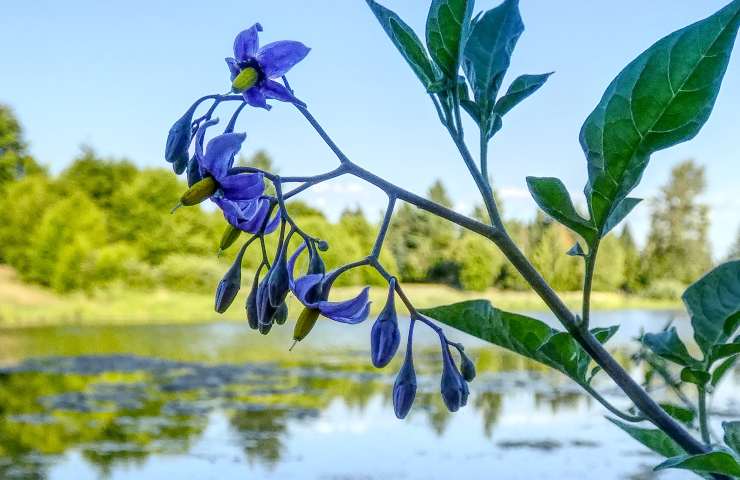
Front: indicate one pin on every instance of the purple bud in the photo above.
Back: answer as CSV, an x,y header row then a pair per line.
x,y
453,386
229,286
194,173
385,336
265,311
281,313
467,367
277,280
178,141
251,306
404,389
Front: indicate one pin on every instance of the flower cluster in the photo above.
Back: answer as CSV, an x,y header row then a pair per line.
x,y
241,194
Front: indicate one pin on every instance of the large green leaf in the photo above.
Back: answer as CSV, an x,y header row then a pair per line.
x,y
652,438
682,414
662,98
521,334
446,23
487,51
712,462
732,435
668,345
618,214
710,301
552,197
522,87
406,41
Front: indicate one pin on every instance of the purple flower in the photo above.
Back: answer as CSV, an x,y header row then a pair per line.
x,y
385,336
219,158
248,215
267,63
312,290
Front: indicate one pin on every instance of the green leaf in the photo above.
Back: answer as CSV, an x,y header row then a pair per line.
x,y
553,198
732,435
710,301
654,439
668,344
695,376
406,41
720,370
661,99
524,335
445,24
731,323
521,88
712,462
619,213
726,350
487,51
576,251
681,414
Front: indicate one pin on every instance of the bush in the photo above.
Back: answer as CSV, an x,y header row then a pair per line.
x,y
190,273
665,290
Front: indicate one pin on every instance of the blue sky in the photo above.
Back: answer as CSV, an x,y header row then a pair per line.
x,y
115,75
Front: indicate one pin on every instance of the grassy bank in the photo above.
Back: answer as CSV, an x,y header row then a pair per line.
x,y
27,305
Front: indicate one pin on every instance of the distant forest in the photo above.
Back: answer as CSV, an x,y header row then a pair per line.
x,y
103,222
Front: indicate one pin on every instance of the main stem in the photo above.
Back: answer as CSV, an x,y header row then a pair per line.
x,y
703,418
498,236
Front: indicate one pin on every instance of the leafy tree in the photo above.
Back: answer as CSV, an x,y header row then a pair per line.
x,y
610,265
677,245
632,278
734,252
15,162
97,177
479,262
548,253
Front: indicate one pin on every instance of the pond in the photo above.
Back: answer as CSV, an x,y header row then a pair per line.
x,y
219,401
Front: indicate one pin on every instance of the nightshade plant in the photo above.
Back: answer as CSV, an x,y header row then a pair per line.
x,y
660,99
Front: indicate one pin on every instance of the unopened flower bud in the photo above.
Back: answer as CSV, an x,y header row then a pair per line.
x,y
178,141
467,367
278,283
194,174
453,387
200,191
245,80
404,388
229,286
281,314
385,336
251,305
322,245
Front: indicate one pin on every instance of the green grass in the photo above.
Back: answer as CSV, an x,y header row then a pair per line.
x,y
24,305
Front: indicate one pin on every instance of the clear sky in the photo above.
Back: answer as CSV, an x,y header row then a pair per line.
x,y
115,75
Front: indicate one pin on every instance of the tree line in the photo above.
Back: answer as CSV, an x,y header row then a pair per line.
x,y
103,222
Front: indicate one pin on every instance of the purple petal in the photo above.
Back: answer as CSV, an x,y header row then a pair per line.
x,y
304,284
354,310
254,213
220,153
278,57
233,67
272,226
291,265
273,89
247,42
256,98
232,212
243,186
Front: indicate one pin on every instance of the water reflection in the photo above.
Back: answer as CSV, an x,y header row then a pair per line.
x,y
122,397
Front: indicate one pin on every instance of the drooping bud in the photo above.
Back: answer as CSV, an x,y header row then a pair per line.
x,y
315,266
229,286
281,314
453,387
265,311
178,141
278,283
385,336
467,367
245,80
404,388
315,262
322,245
306,321
230,235
251,305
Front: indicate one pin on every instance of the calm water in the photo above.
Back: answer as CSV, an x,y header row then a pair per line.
x,y
220,401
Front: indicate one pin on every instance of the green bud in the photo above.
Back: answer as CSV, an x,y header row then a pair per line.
x,y
231,234
305,323
198,192
246,79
